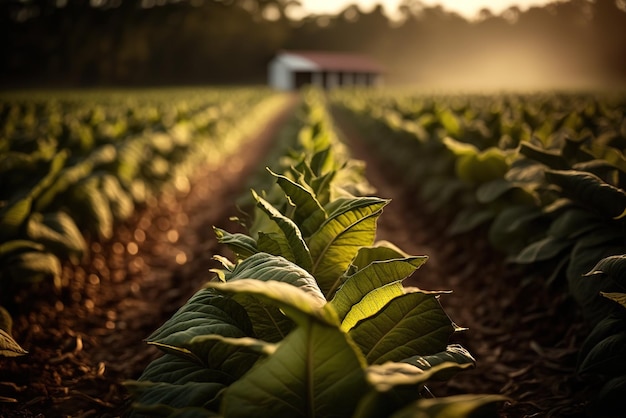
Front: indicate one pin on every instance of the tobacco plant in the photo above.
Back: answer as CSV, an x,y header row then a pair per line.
x,y
310,319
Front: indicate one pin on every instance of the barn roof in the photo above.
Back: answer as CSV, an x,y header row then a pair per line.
x,y
332,61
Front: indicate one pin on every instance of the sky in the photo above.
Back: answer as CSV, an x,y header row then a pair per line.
x,y
466,8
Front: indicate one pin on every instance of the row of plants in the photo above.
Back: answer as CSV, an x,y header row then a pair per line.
x,y
543,174
72,165
310,316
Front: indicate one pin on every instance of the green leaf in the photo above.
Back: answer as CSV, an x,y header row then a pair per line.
x,y
380,251
162,399
375,275
15,213
552,159
33,267
454,354
350,226
469,219
295,302
544,249
122,205
371,303
57,232
613,267
269,321
72,175
607,357
92,207
309,214
616,297
395,385
608,326
205,313
589,190
316,372
242,245
299,251
383,337
265,267
9,347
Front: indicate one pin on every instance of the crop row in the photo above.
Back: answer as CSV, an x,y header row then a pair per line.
x,y
74,165
311,317
543,174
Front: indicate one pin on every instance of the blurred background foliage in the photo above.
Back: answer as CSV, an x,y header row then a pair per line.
x,y
173,42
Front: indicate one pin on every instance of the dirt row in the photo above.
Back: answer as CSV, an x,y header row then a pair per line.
x,y
86,339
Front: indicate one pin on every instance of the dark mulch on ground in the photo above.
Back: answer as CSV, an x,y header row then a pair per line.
x,y
85,339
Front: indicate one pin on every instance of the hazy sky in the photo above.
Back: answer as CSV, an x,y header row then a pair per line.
x,y
467,8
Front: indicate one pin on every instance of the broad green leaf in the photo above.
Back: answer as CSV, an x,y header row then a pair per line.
x,y
396,385
59,233
19,245
460,149
293,236
607,357
309,214
72,175
573,223
469,219
160,399
268,320
315,372
456,406
265,267
616,297
374,276
608,326
33,267
205,313
322,186
295,302
515,227
454,354
380,251
390,375
15,213
242,245
179,370
588,189
92,207
544,249
349,227
9,347
552,159
6,322
371,303
122,205
276,244
384,337
613,267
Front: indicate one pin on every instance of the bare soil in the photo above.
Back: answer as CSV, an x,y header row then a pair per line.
x,y
85,339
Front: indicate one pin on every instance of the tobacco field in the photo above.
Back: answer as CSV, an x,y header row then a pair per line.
x,y
237,252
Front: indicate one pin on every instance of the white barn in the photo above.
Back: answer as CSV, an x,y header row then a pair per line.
x,y
290,70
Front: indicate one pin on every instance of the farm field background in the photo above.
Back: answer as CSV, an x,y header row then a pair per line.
x,y
110,199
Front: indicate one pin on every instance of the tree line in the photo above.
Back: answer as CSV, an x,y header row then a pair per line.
x,y
173,42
